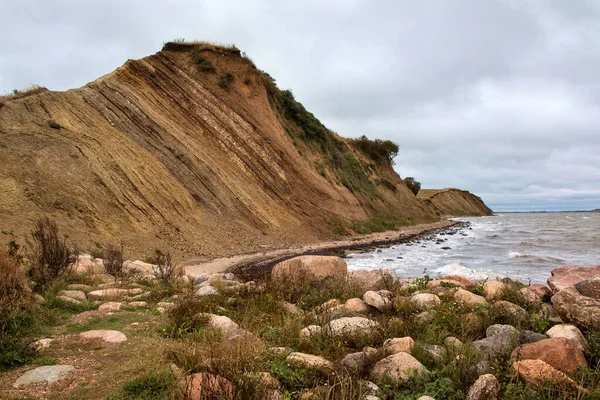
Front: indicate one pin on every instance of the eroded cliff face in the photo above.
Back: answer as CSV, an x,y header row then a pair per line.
x,y
454,202
163,154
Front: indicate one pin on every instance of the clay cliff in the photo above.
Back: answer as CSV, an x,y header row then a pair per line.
x,y
192,149
452,202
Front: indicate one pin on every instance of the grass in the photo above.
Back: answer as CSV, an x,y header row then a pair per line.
x,y
379,225
225,81
112,322
155,385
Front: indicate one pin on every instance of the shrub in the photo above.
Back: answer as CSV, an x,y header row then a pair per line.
x,y
18,311
113,259
202,63
412,184
225,81
49,255
380,151
164,269
152,385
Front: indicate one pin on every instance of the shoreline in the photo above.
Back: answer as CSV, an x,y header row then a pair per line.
x,y
257,264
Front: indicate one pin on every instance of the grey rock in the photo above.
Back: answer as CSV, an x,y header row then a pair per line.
x,y
49,374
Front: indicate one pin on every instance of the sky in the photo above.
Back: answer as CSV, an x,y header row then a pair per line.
x,y
498,97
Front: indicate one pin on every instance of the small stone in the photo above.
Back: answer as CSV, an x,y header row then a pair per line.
x,y
356,305
398,367
207,291
469,299
356,361
110,306
311,361
74,294
452,343
138,304
437,353
204,385
311,330
372,389
397,345
112,293
351,327
424,317
48,374
376,300
425,301
486,387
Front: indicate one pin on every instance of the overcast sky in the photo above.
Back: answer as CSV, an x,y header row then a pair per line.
x,y
499,97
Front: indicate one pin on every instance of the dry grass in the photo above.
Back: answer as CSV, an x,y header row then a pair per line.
x,y
19,94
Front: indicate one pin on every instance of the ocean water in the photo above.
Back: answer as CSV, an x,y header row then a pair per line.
x,y
525,246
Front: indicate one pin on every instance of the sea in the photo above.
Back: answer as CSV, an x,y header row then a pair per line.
x,y
523,246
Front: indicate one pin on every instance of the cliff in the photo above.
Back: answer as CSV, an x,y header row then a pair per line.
x,y
454,202
192,149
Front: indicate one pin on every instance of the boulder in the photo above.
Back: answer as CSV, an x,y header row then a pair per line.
x,y
110,306
79,286
530,295
376,300
74,294
510,310
452,343
500,340
398,367
207,291
425,301
564,277
86,264
105,335
356,361
138,267
486,387
542,291
493,289
560,353
570,332
437,353
530,337
311,330
314,268
455,280
397,345
538,373
222,323
112,293
351,327
573,307
589,288
311,361
46,374
469,299
374,279
203,385
356,305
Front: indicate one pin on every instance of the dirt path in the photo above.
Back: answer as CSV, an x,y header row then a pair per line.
x,y
254,265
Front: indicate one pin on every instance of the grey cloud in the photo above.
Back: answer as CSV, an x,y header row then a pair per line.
x,y
499,97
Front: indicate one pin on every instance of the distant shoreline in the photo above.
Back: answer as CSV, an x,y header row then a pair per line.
x,y
252,265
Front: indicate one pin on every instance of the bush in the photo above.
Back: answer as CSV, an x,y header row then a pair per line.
x,y
152,385
202,63
225,81
412,184
113,260
18,311
380,151
165,270
49,255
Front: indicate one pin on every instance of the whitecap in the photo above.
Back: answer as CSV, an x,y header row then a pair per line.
x,y
515,254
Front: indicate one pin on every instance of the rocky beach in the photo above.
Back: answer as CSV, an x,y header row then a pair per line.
x,y
310,329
